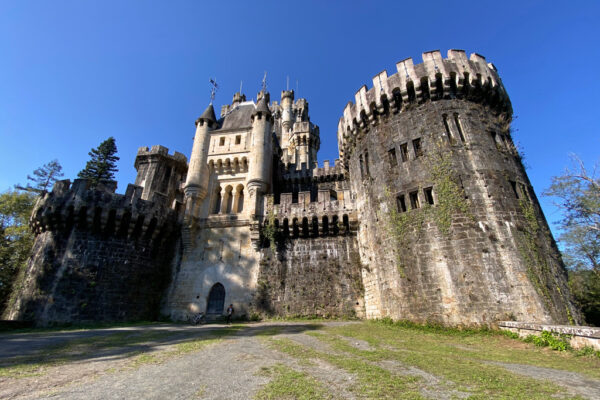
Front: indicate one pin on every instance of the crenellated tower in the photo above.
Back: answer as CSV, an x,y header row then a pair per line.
x,y
451,229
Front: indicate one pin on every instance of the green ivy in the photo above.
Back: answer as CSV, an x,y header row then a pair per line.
x,y
450,195
450,202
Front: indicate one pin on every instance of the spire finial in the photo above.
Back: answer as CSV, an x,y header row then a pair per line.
x,y
264,83
213,89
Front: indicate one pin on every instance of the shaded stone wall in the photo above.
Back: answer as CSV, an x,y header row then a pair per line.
x,y
318,276
82,276
97,256
496,261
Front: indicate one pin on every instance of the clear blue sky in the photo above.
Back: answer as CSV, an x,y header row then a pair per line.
x,y
73,73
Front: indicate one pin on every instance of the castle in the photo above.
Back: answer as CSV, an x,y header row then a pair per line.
x,y
428,215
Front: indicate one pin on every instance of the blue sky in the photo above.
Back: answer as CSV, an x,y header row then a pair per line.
x,y
73,73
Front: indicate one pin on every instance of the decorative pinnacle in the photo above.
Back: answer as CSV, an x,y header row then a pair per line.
x,y
213,89
264,83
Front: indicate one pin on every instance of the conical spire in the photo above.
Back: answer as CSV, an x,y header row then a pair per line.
x,y
263,105
208,114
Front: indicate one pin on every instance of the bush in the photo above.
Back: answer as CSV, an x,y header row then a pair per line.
x,y
555,341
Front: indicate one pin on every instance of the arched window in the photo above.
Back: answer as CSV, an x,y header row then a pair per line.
x,y
238,200
216,200
227,200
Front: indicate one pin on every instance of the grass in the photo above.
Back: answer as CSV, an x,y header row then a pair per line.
x,y
287,383
463,361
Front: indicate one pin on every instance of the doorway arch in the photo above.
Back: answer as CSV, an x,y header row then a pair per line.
x,y
216,300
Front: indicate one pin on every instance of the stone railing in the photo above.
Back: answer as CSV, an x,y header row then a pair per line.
x,y
579,336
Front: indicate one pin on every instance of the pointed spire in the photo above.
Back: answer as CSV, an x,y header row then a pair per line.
x,y
208,115
263,103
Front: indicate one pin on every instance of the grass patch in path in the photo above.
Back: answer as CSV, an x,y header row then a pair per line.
x,y
287,383
374,382
461,359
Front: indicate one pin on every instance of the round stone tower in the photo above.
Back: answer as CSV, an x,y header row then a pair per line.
x,y
451,230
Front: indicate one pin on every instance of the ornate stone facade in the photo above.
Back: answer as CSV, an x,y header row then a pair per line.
x,y
427,216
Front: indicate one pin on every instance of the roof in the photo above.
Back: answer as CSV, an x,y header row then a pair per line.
x,y
209,114
239,117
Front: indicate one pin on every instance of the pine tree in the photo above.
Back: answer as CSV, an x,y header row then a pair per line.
x,y
102,165
45,176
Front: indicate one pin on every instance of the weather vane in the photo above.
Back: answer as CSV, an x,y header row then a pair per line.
x,y
213,89
264,83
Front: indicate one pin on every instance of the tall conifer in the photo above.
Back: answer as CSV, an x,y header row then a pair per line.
x,y
102,164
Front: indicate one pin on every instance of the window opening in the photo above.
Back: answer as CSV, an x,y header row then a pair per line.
x,y
459,127
393,159
404,152
417,147
428,192
401,203
447,127
414,199
238,139
222,141
513,184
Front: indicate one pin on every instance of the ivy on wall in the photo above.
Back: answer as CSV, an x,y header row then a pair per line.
x,y
451,201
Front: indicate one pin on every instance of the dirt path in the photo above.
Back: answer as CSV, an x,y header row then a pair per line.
x,y
184,362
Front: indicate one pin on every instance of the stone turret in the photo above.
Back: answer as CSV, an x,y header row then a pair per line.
x,y
196,185
259,173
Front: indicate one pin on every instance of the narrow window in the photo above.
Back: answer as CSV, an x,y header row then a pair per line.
x,y
417,147
513,184
428,192
447,127
404,152
362,166
238,139
401,203
393,159
222,141
459,127
414,200
367,163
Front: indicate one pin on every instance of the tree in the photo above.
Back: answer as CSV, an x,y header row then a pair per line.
x,y
43,177
578,197
16,239
101,166
578,194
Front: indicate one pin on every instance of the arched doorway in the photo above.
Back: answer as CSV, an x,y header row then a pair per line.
x,y
216,300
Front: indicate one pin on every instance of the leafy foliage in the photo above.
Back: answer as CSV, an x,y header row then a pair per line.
x,y
585,287
578,196
102,165
555,341
16,238
44,177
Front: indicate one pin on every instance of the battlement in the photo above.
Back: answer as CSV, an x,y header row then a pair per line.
x,y
436,78
331,214
327,172
162,151
102,211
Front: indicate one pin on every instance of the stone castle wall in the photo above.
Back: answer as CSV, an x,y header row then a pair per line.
x,y
431,255
97,256
315,276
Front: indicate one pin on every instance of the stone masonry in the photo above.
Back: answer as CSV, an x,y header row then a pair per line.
x,y
428,216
